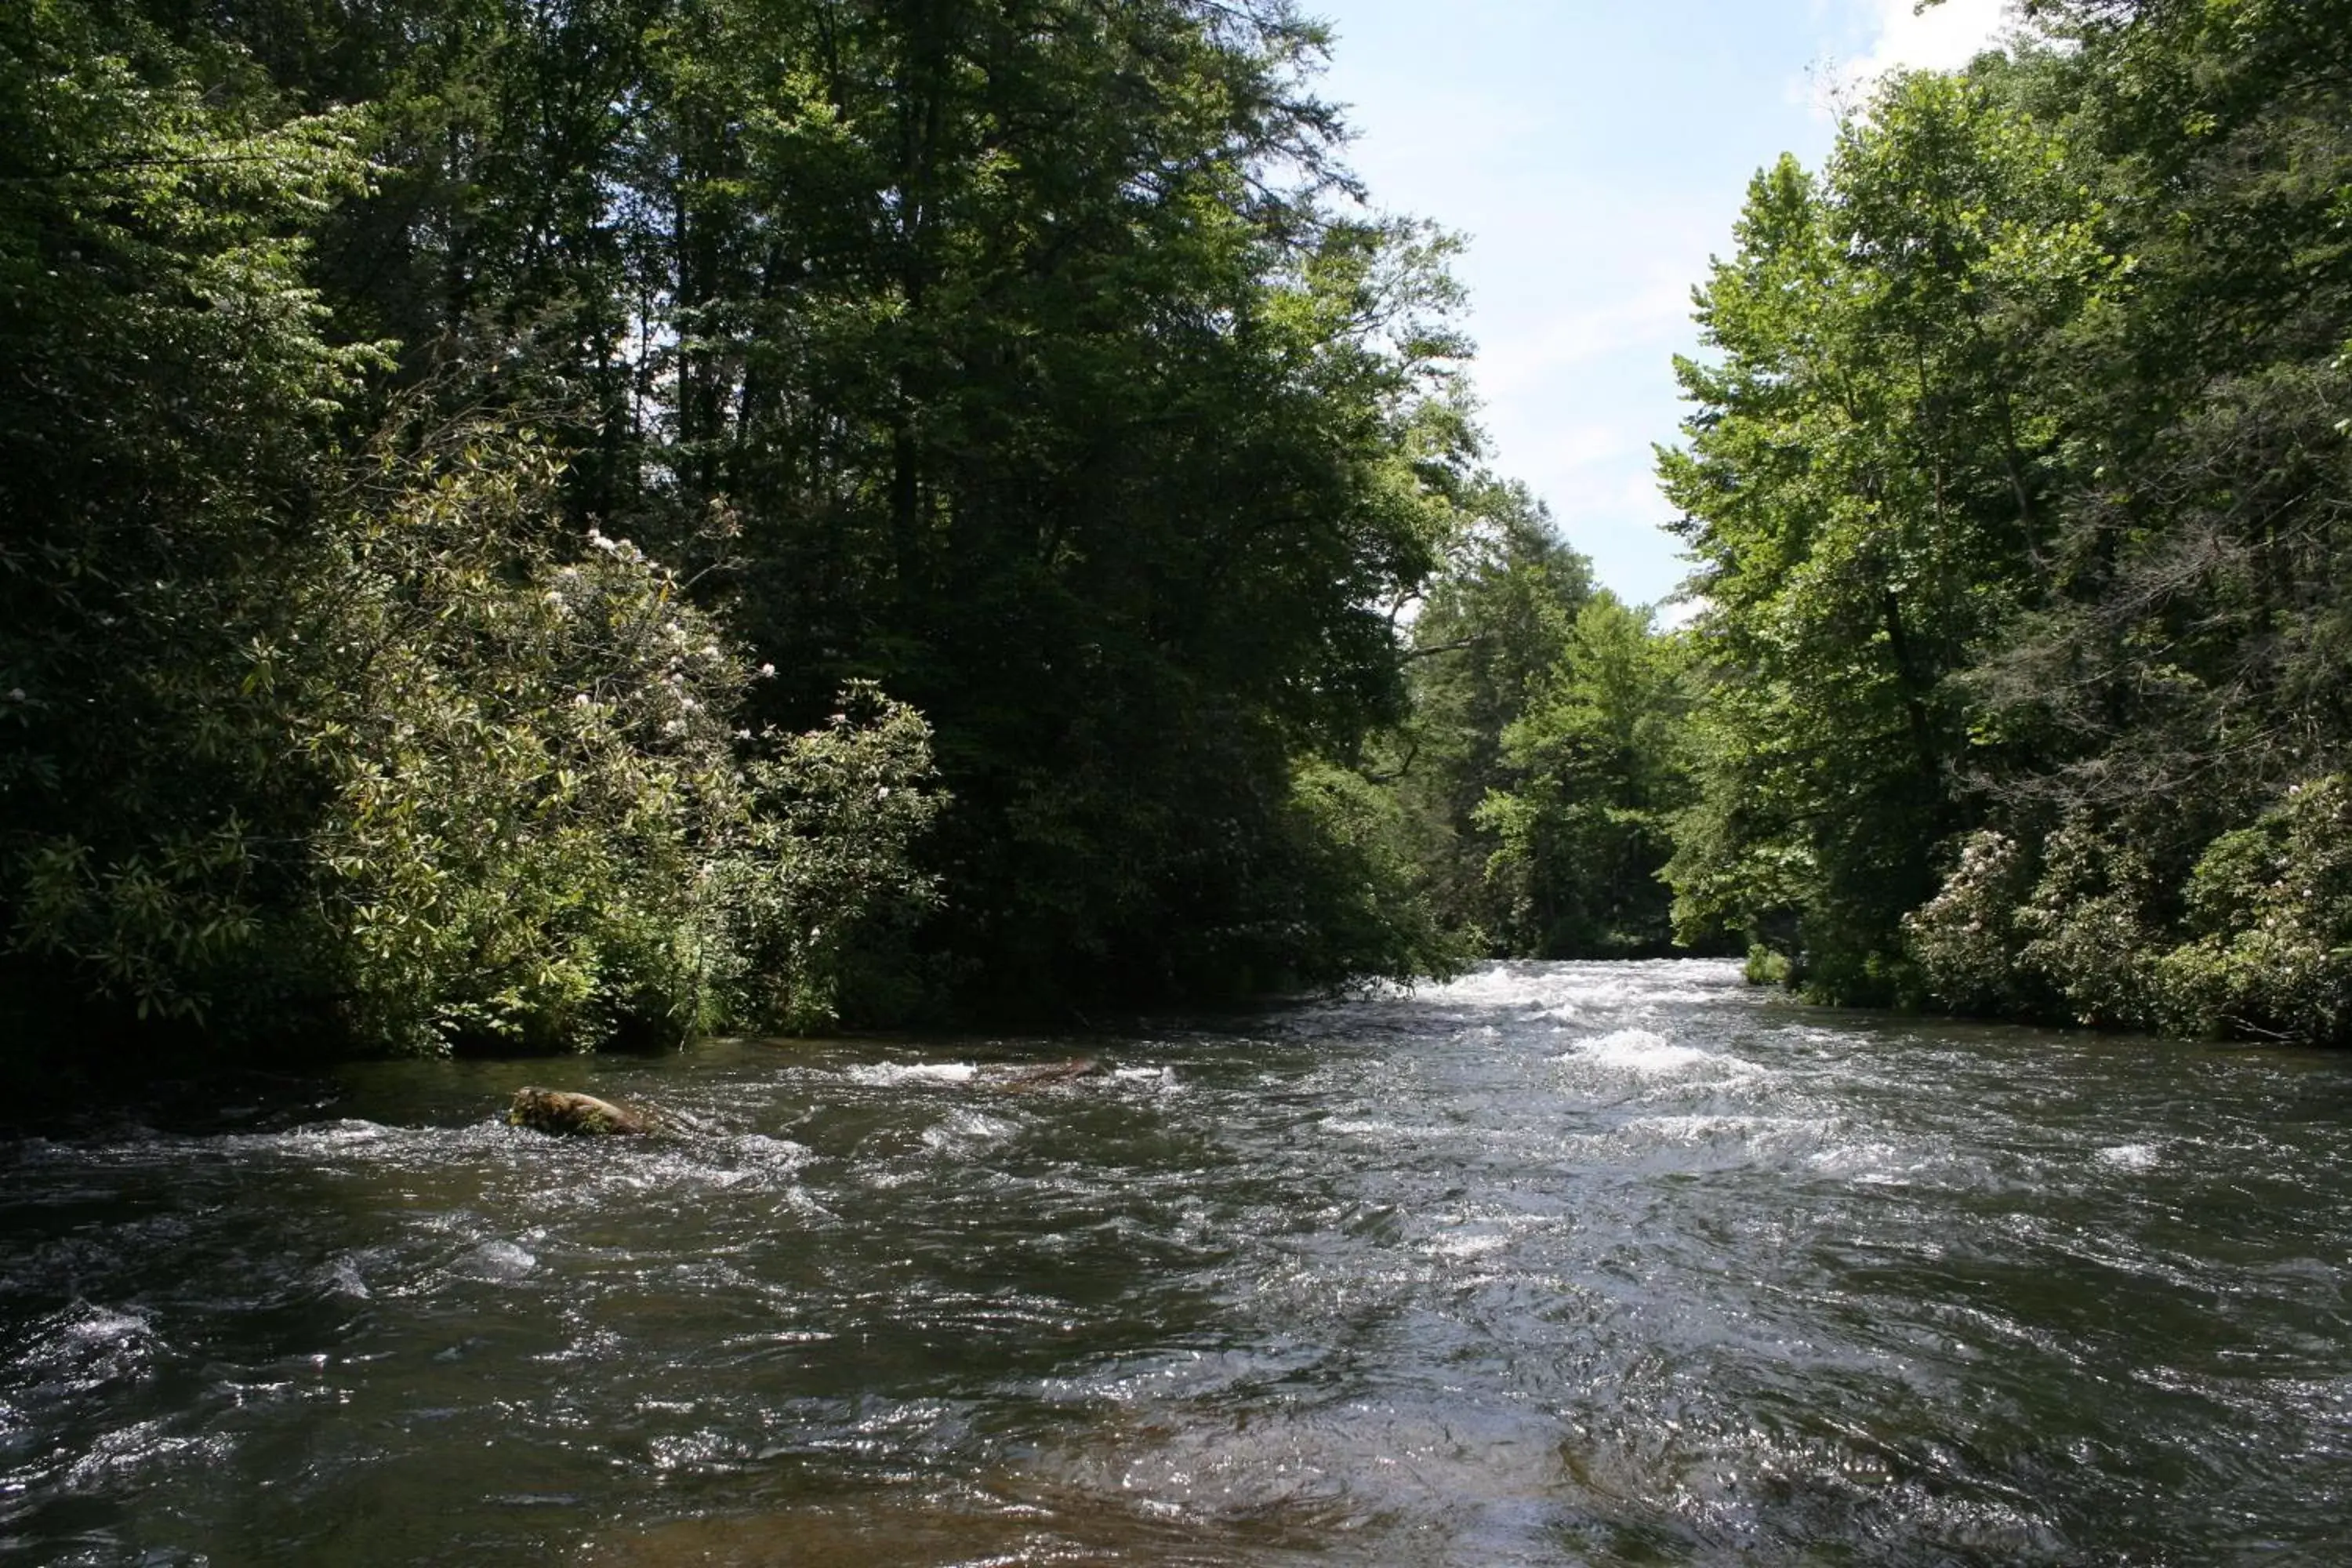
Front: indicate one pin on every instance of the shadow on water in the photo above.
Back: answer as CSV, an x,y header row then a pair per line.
x,y
1559,1263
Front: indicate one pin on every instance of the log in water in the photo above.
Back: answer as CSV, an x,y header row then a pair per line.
x,y
1559,1263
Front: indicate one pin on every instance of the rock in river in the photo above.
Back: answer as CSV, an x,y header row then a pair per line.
x,y
1014,1079
561,1110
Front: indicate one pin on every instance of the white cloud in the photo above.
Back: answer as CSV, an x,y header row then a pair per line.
x,y
1675,613
1654,317
1942,37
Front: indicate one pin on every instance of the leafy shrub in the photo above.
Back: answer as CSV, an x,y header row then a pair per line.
x,y
163,428
544,833
827,870
341,743
1362,910
2089,928
2272,908
507,805
2262,946
1967,939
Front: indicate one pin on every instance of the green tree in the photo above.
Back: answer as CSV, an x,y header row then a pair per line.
x,y
346,740
2019,494
1865,485
1035,367
1038,362
1485,647
162,437
2174,711
1599,774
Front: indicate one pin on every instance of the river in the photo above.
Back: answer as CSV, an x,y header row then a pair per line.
x,y
1558,1264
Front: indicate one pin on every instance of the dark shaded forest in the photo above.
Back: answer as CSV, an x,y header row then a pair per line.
x,y
537,524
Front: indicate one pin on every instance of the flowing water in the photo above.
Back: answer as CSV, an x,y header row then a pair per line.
x,y
1559,1263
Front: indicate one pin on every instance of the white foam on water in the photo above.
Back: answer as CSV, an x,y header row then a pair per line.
x,y
1712,1141
889,1075
321,1140
1567,991
132,1448
1490,985
98,1326
1702,1128
1468,1245
497,1261
801,1203
1402,1135
343,1278
2131,1157
1644,1053
966,1129
772,1153
342,1134
1361,1129
1872,1164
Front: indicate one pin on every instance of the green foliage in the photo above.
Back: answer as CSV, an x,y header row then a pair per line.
x,y
160,441
1038,367
2271,908
524,759
543,832
1969,938
825,870
1484,646
2187,664
509,809
2026,453
2088,925
341,742
2261,947
1042,367
1600,772
1863,486
2066,934
1356,906
1547,750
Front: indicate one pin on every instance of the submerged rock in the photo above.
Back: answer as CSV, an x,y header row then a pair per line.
x,y
563,1110
1039,1074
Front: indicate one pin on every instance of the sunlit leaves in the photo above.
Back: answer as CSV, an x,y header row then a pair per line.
x,y
1865,485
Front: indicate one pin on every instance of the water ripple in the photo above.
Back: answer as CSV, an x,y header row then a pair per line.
x,y
1555,1264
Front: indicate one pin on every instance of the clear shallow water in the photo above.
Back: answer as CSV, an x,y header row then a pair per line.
x,y
1606,1263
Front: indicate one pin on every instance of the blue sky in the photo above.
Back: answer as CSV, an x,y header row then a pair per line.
x,y
1594,154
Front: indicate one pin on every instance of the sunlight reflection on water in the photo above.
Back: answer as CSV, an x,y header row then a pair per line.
x,y
1555,1264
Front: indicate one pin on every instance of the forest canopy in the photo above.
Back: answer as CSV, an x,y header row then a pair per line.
x,y
537,524
543,525
2018,487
